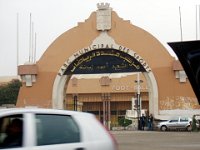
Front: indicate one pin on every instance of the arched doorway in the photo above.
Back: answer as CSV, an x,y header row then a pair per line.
x,y
103,56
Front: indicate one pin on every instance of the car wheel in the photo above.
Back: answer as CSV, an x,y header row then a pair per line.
x,y
163,128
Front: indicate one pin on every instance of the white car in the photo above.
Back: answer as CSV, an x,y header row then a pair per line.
x,y
177,123
50,129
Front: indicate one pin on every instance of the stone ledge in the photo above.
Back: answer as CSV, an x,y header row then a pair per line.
x,y
28,69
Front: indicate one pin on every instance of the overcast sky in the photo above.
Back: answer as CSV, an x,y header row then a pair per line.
x,y
53,17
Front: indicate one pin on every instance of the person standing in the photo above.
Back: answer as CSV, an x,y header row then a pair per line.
x,y
194,124
142,121
150,122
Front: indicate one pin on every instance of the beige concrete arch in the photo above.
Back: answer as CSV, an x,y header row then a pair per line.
x,y
44,83
103,39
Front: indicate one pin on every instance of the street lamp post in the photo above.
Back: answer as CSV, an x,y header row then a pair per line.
x,y
139,104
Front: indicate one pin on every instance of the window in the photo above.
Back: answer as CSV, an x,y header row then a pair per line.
x,y
184,120
173,120
11,131
56,129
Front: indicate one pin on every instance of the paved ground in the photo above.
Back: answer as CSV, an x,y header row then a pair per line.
x,y
156,140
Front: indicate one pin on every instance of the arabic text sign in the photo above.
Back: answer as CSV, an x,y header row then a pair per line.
x,y
104,61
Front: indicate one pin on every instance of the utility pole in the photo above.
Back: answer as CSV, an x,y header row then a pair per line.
x,y
139,103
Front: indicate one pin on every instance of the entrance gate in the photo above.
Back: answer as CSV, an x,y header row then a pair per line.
x,y
103,56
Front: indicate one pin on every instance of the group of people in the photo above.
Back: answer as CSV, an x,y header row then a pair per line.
x,y
146,121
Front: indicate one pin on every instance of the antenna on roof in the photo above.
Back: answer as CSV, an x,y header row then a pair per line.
x,y
35,48
180,23
32,41
17,41
29,58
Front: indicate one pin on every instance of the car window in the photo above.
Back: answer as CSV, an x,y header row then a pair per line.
x,y
56,129
11,131
173,121
184,119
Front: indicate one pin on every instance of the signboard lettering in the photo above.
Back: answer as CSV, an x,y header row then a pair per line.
x,y
104,58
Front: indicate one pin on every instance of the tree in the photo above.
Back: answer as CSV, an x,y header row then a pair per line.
x,y
124,122
9,92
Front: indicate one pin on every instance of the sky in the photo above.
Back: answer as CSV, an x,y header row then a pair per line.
x,y
51,18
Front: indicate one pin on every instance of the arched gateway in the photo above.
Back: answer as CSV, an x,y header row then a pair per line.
x,y
104,43
103,56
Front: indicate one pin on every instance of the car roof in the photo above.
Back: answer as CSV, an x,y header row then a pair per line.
x,y
188,53
176,117
40,110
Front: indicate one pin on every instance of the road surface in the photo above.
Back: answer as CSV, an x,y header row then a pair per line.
x,y
156,140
